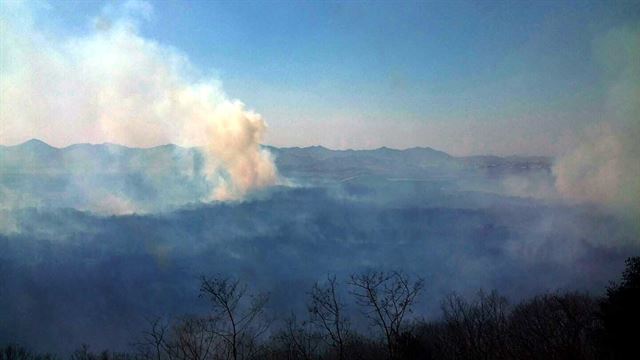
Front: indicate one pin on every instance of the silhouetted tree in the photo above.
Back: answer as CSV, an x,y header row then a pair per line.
x,y
548,326
431,339
187,338
236,316
15,352
83,353
620,312
296,341
191,339
326,311
476,329
154,344
386,298
554,326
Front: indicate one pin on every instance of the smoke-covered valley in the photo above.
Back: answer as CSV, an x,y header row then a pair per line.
x,y
144,174
96,238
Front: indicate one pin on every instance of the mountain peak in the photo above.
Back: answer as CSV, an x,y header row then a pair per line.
x,y
36,143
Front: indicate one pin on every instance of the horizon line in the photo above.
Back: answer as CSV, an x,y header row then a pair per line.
x,y
278,147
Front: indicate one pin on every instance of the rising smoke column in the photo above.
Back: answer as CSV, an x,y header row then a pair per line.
x,y
114,85
604,167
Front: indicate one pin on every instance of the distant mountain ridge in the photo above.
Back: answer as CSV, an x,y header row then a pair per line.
x,y
110,178
317,157
37,143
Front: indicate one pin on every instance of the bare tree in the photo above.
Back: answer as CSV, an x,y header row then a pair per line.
x,y
191,340
326,312
555,326
236,316
298,340
16,352
187,338
386,297
476,329
620,313
154,344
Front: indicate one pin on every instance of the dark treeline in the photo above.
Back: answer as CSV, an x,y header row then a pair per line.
x,y
568,325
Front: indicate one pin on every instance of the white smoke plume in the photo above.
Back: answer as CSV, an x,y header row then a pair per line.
x,y
114,85
604,167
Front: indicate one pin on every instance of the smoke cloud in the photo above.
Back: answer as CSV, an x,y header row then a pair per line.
x,y
604,167
114,85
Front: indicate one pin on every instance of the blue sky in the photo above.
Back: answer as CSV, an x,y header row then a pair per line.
x,y
506,77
